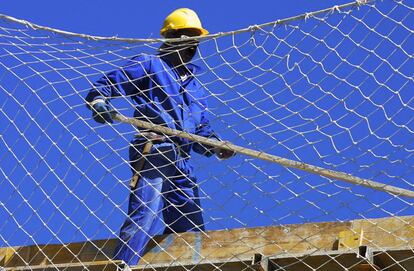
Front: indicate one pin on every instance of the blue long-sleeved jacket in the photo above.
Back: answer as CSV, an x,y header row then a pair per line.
x,y
160,96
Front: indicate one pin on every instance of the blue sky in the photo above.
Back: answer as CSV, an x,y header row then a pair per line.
x,y
312,109
142,19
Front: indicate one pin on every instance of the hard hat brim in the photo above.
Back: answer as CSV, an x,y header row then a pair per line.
x,y
165,30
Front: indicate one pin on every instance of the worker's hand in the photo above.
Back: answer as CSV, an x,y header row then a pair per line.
x,y
223,154
151,136
101,112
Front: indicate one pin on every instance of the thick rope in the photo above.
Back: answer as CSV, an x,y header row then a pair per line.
x,y
305,16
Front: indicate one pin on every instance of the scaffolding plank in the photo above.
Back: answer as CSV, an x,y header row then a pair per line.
x,y
77,266
234,248
101,250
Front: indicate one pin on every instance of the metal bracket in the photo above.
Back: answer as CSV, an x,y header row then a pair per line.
x,y
262,263
366,253
122,266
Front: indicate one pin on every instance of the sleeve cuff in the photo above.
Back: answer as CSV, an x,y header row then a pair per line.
x,y
97,99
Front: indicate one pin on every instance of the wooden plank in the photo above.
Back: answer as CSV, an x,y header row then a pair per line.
x,y
392,260
334,260
243,243
390,233
77,266
6,254
101,250
229,247
215,246
321,261
386,259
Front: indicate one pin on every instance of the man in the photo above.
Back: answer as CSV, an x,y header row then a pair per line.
x,y
165,92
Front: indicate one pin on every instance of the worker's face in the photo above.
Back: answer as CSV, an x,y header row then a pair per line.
x,y
184,50
187,50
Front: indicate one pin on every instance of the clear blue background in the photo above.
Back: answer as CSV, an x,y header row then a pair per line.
x,y
143,19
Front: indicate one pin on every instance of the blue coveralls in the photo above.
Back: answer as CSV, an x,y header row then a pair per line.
x,y
167,182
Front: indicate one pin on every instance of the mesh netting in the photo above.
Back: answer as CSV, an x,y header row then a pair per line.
x,y
332,89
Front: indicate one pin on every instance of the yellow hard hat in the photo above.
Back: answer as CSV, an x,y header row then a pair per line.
x,y
182,18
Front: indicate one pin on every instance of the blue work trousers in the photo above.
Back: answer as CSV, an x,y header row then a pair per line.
x,y
165,187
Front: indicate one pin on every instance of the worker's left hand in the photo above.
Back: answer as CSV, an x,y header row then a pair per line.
x,y
224,153
101,112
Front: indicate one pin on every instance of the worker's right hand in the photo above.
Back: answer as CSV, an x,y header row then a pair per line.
x,y
223,154
101,112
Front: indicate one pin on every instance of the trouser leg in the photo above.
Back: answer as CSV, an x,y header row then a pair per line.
x,y
182,211
144,207
145,204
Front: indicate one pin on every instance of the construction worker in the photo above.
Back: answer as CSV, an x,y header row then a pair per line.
x,y
165,92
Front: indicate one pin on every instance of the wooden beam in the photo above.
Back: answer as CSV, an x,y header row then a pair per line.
x,y
390,260
242,244
77,266
237,248
101,250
